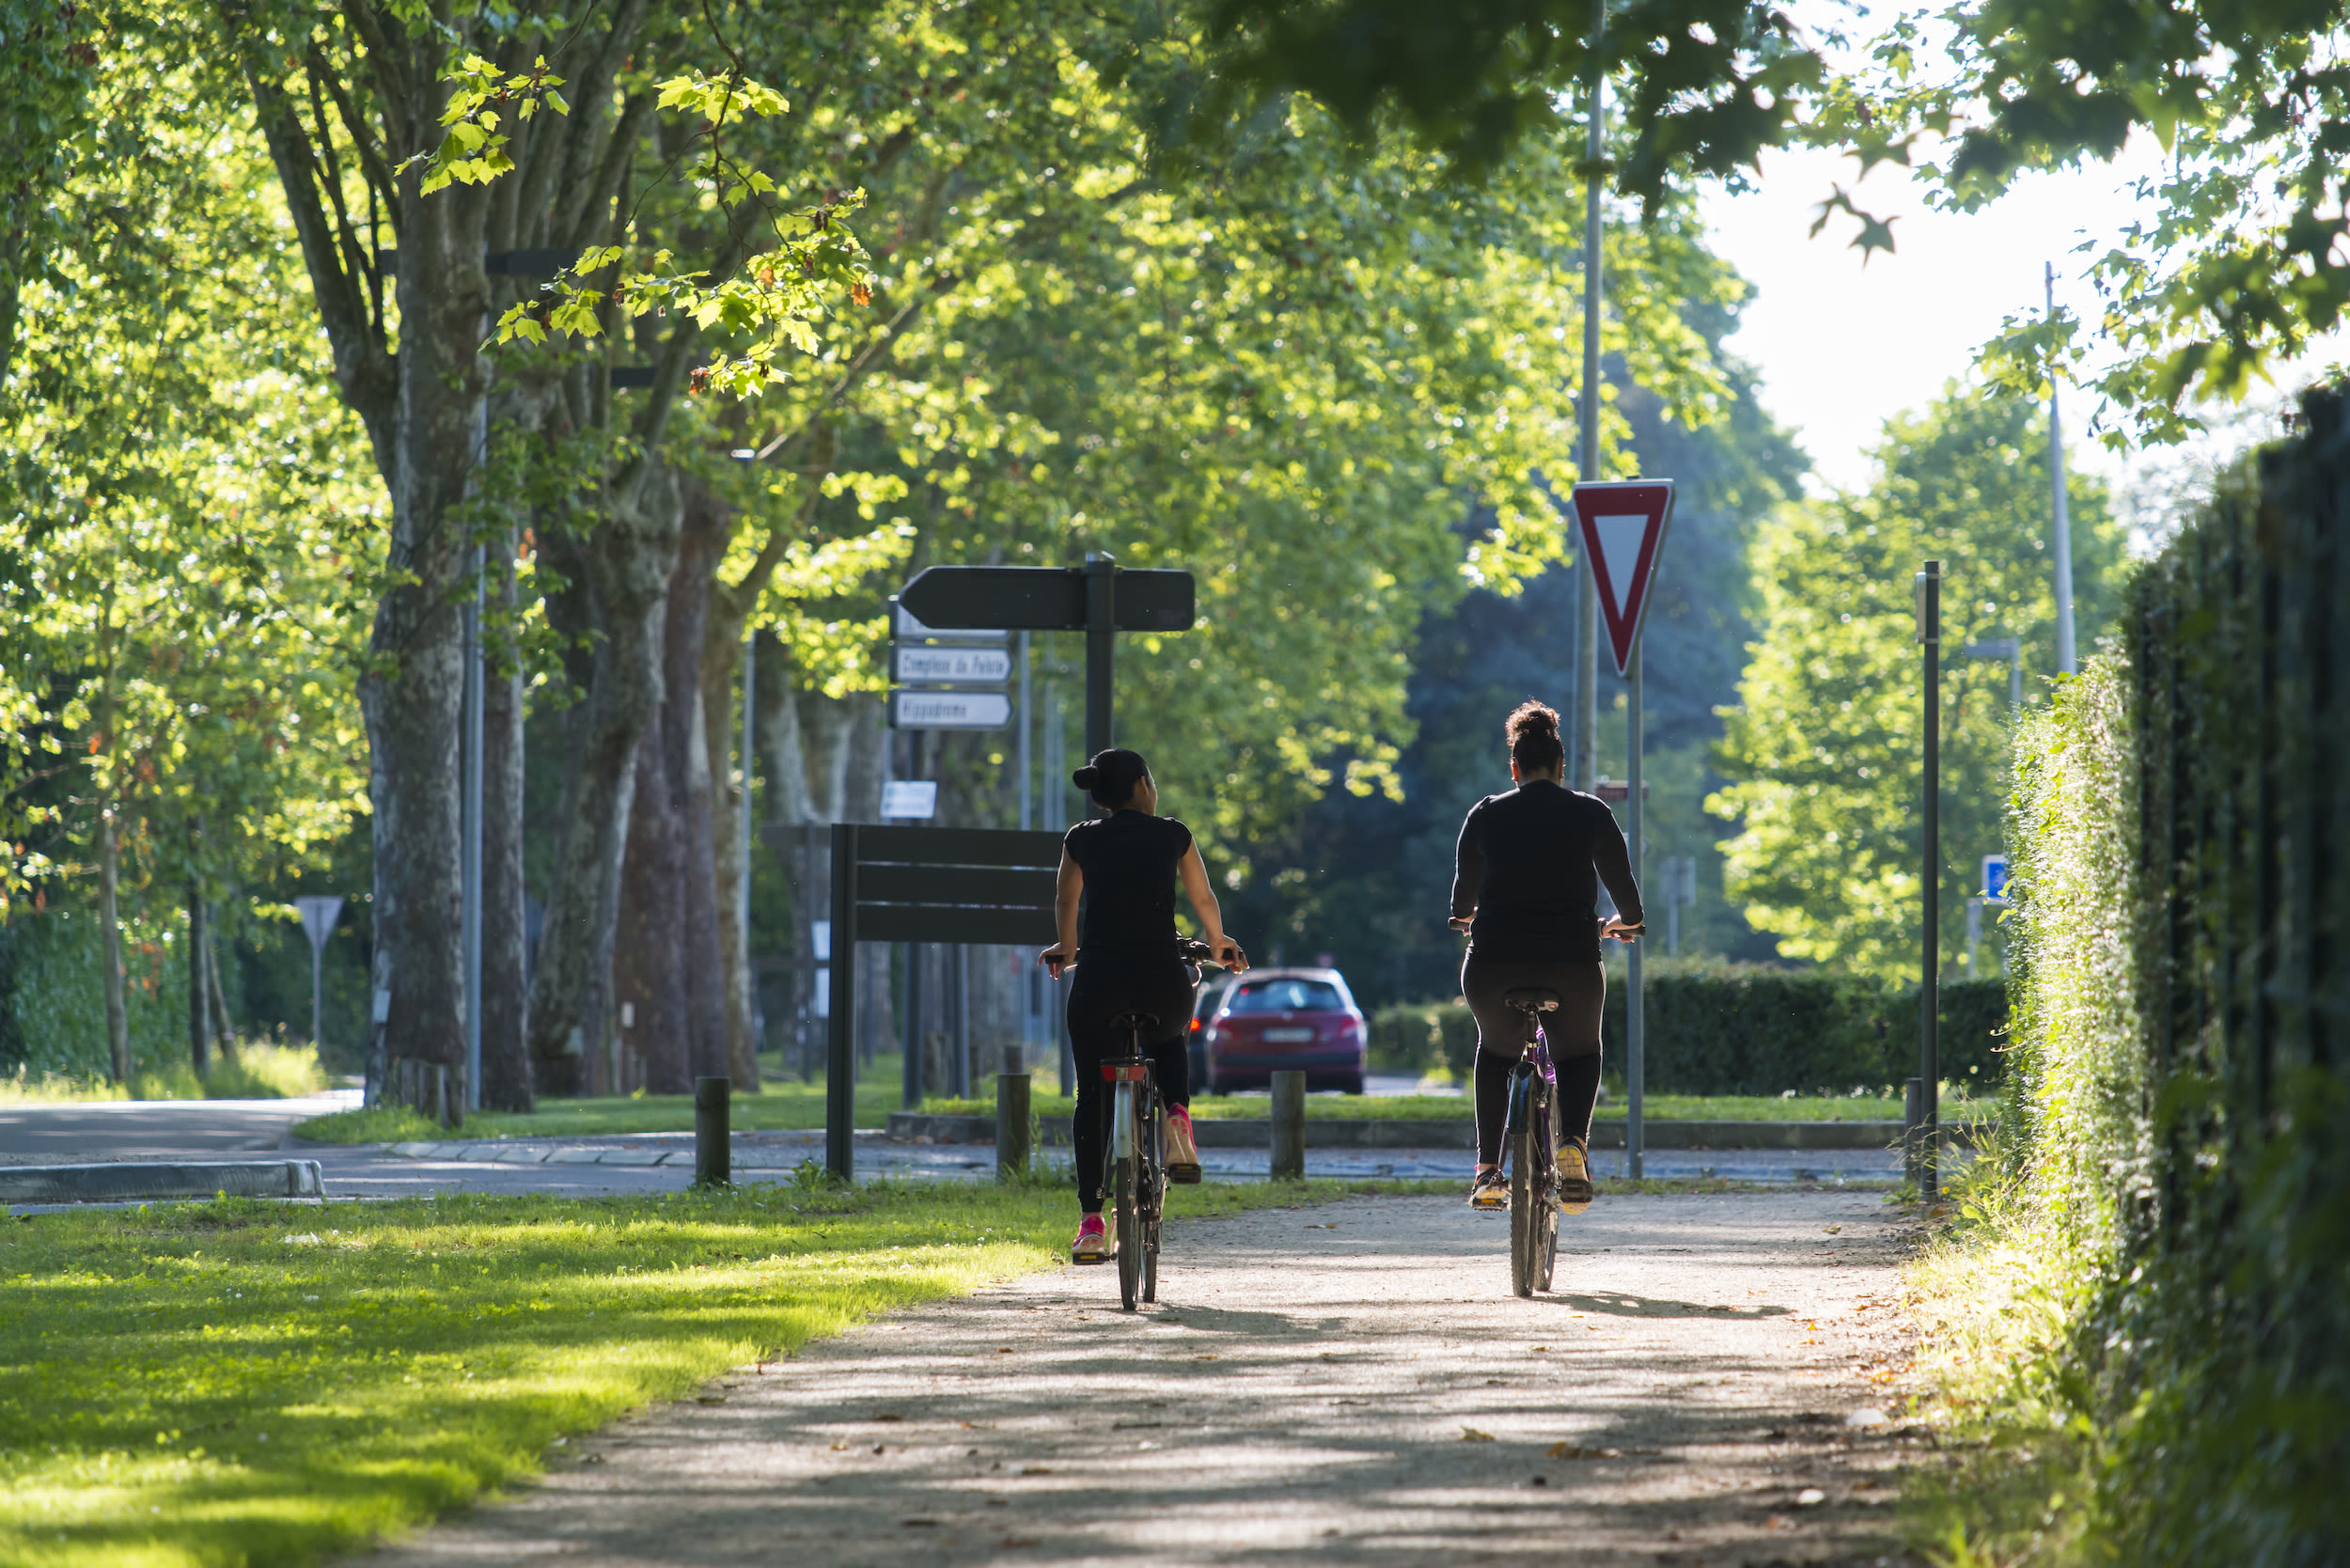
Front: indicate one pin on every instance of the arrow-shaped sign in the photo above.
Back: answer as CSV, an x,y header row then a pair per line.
x,y
1622,524
1044,598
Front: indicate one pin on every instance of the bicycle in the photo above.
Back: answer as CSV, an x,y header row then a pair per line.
x,y
1136,1119
1529,1143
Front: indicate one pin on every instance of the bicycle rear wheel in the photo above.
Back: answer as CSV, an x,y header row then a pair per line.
x,y
1152,1204
1127,1186
1526,1197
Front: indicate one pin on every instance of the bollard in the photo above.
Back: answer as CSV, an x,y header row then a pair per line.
x,y
1289,1126
1914,1134
1012,1115
713,1151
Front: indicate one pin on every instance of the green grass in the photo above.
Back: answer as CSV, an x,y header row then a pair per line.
x,y
791,1106
254,1072
237,1383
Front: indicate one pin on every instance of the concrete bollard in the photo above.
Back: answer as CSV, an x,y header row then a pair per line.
x,y
1012,1115
714,1140
1289,1126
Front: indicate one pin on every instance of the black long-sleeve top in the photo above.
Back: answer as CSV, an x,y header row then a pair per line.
x,y
1530,865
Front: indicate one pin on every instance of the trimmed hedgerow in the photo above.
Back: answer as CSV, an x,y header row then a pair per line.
x,y
2174,1214
1745,1028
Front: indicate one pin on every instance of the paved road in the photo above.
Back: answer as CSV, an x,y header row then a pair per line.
x,y
153,1129
1350,1383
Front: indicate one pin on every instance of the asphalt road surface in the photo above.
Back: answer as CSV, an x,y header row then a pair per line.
x,y
1344,1384
83,1133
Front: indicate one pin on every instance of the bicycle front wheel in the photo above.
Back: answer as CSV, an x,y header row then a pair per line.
x,y
1547,1236
1528,1202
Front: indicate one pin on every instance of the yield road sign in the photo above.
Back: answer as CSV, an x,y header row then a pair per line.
x,y
1622,523
948,710
961,664
1045,599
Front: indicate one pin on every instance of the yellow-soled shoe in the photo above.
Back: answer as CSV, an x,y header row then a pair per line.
x,y
1576,1191
1490,1192
1179,1152
1092,1245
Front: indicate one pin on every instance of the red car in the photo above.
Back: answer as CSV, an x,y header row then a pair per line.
x,y
1273,1020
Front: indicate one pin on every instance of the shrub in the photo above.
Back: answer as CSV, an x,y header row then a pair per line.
x,y
1735,1029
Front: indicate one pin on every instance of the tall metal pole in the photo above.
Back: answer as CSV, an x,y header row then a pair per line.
x,y
1930,980
1636,1023
2066,661
743,808
1585,722
1028,765
475,691
1101,642
318,955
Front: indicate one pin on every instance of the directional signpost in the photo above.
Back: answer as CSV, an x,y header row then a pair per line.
x,y
1097,599
1622,524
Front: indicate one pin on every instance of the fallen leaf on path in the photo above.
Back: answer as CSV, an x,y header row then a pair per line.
x,y
840,1448
889,1416
1811,1496
1576,1450
710,1399
1779,1522
1471,1435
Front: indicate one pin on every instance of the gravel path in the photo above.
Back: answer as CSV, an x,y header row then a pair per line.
x,y
1349,1384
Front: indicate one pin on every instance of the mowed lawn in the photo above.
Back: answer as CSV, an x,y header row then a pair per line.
x,y
790,1105
241,1383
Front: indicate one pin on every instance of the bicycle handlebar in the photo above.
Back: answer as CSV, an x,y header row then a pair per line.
x,y
1194,953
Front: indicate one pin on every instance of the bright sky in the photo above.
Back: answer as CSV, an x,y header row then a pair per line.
x,y
1841,346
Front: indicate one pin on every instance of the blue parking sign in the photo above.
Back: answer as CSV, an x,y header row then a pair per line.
x,y
1994,876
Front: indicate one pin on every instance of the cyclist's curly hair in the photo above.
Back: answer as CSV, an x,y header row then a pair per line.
x,y
1533,735
1111,776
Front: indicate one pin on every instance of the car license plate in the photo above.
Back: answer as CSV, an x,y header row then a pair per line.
x,y
1286,1036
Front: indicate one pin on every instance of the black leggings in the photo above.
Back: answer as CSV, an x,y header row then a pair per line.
x,y
1100,993
1573,1032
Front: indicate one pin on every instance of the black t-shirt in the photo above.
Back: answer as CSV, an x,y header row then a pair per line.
x,y
1129,860
1526,865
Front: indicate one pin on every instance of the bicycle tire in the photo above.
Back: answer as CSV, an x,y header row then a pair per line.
x,y
1549,1173
1524,1190
1128,1185
1154,1201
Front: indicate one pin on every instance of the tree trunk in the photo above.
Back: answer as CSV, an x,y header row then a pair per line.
x,y
110,950
200,1003
411,695
224,1027
616,602
506,1078
648,955
722,660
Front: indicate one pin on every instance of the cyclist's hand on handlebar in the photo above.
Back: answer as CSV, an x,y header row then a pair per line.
x,y
1462,922
1622,933
1055,959
1232,957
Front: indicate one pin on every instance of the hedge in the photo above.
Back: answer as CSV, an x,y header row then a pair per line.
x,y
1730,1028
2180,847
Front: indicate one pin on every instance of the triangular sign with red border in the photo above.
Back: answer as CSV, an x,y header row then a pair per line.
x,y
1622,523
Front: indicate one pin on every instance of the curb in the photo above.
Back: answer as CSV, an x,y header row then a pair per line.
x,y
1606,1132
130,1181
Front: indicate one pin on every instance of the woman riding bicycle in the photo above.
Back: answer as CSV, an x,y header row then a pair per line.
x,y
1524,887
1126,865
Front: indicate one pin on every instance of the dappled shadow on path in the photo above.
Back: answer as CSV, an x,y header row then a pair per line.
x,y
1365,1390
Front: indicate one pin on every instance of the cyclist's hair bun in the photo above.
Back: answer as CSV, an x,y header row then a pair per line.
x,y
1111,776
1533,734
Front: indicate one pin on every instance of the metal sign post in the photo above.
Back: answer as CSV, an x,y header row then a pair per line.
x,y
318,914
1624,523
1929,587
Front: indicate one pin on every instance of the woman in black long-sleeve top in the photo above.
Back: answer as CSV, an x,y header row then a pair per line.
x,y
1525,886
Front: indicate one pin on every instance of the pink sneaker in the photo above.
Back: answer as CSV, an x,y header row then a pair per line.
x,y
1092,1245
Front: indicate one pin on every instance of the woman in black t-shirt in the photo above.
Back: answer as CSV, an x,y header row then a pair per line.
x,y
1525,886
1126,865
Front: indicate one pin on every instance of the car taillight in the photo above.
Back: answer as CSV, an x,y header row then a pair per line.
x,y
1194,1026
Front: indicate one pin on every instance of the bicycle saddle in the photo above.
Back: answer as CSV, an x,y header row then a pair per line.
x,y
1126,1023
1531,998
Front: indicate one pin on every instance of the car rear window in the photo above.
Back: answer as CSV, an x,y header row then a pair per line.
x,y
1286,996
